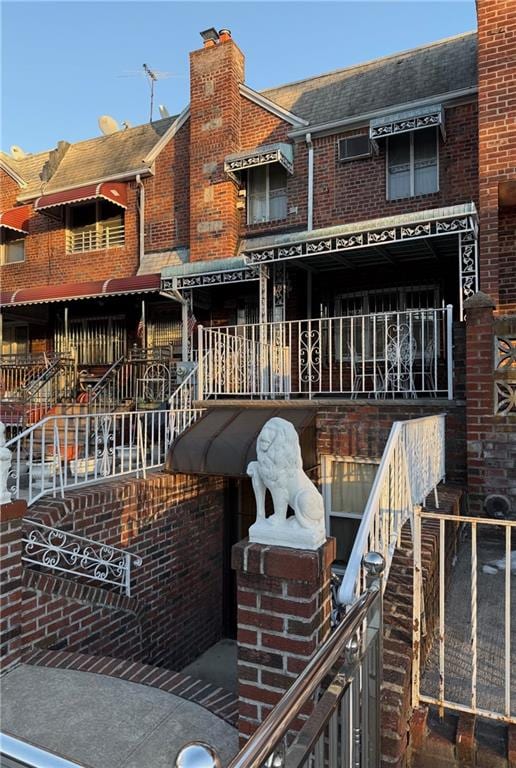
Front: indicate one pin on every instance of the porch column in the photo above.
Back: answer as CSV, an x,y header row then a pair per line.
x,y
279,292
468,268
283,615
262,298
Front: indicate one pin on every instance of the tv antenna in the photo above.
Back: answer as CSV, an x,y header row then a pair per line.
x,y
152,75
152,78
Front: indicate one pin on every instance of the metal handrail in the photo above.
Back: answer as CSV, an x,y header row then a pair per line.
x,y
263,741
409,496
32,756
95,390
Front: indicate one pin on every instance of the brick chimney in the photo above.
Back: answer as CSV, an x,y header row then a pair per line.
x,y
216,71
497,146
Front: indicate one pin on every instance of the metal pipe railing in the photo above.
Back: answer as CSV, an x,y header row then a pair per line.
x,y
31,756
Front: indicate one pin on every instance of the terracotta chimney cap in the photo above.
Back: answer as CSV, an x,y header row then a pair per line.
x,y
224,35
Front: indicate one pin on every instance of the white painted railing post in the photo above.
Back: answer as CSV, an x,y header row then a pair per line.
x,y
5,466
200,358
449,349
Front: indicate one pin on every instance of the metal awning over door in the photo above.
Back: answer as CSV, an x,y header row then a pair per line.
x,y
223,441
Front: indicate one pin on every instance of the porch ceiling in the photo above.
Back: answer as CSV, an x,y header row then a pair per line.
x,y
395,254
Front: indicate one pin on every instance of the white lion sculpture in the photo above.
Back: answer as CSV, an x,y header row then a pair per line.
x,y
279,469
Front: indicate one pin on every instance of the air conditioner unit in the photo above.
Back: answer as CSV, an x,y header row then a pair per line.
x,y
354,148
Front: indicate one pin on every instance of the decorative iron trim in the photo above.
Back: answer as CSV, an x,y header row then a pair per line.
x,y
468,266
364,239
260,156
403,122
210,278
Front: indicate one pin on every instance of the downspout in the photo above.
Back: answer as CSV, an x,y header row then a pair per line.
x,y
141,222
310,212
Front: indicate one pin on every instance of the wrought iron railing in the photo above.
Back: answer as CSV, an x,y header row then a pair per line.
x,y
62,452
386,354
336,698
412,465
77,556
95,239
182,412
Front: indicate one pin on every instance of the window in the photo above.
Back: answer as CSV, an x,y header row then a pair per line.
x,y
266,194
12,248
412,164
94,225
354,147
15,339
347,485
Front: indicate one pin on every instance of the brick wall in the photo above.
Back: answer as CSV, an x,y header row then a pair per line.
x,y
497,143
361,428
175,524
11,516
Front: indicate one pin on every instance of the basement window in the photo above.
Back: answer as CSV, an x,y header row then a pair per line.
x,y
94,226
12,248
347,483
266,194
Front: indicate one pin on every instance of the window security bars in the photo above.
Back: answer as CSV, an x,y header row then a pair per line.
x,y
339,691
469,667
61,452
386,354
412,465
95,239
78,556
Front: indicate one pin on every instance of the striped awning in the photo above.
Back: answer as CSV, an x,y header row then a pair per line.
x,y
115,192
91,289
16,219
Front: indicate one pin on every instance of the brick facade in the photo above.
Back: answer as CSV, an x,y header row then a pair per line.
x,y
174,523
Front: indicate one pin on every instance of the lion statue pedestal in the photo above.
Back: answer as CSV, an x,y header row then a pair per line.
x,y
279,469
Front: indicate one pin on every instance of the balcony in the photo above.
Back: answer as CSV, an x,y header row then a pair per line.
x,y
95,238
387,354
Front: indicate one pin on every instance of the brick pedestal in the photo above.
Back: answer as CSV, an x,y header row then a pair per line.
x,y
283,615
11,516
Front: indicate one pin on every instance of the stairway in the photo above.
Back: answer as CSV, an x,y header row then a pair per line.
x,y
459,740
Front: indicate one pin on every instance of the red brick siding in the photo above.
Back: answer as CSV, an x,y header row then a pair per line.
x,y
356,190
175,523
10,583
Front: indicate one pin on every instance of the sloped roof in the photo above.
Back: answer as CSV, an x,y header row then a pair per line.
x,y
28,168
430,70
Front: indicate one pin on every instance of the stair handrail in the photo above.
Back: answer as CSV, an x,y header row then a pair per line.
x,y
104,379
412,465
67,552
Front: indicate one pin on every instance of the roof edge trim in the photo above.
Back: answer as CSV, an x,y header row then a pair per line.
x,y
335,125
12,173
169,134
271,106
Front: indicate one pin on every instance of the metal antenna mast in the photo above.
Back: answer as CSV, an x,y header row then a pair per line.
x,y
152,79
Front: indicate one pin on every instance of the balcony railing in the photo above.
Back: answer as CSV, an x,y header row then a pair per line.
x,y
95,239
388,354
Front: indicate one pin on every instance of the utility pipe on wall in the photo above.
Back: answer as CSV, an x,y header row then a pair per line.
x,y
310,212
141,223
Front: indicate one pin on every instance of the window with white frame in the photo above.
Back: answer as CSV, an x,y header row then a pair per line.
x,y
12,248
266,193
93,226
413,164
347,485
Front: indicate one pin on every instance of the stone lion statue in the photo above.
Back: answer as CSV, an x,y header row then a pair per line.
x,y
279,469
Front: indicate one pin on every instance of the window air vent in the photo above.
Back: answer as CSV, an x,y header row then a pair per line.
x,y
354,147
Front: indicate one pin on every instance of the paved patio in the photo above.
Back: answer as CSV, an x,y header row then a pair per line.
x,y
104,722
490,630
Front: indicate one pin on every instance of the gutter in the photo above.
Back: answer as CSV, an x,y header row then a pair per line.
x,y
141,219
298,133
310,208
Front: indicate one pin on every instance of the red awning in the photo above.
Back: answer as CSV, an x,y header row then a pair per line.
x,y
115,192
16,219
113,286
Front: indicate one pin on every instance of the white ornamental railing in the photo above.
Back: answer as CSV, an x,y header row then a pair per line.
x,y
182,412
68,451
386,354
412,465
75,555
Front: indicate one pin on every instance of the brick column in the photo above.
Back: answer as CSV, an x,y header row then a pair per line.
x,y
11,516
479,391
283,615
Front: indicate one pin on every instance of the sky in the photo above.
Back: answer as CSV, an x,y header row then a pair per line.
x,y
66,63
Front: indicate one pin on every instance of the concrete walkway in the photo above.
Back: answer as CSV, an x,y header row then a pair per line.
x,y
104,722
217,665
